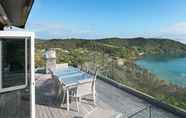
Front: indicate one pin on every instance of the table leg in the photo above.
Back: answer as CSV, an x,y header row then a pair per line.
x,y
94,96
67,99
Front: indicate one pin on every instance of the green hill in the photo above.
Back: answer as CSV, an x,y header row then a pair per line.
x,y
120,47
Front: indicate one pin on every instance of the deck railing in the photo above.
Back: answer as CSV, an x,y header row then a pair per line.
x,y
128,73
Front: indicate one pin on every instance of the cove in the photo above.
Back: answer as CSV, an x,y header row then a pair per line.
x,y
166,67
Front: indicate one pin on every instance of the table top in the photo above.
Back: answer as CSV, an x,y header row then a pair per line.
x,y
71,75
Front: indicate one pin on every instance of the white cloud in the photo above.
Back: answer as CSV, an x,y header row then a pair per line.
x,y
41,27
175,31
178,28
59,31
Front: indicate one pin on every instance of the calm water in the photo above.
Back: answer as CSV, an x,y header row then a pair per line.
x,y
172,69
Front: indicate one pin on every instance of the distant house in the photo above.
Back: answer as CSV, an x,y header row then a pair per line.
x,y
120,61
141,54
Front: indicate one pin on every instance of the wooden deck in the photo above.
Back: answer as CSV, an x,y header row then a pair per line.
x,y
110,102
14,105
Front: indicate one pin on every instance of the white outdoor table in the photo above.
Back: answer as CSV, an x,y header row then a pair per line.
x,y
70,77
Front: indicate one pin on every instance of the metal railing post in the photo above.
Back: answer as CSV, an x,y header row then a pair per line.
x,y
150,111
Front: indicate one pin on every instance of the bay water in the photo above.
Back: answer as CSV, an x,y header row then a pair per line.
x,y
169,68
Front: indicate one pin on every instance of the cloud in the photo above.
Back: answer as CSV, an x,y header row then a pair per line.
x,y
48,30
178,28
44,27
175,31
58,30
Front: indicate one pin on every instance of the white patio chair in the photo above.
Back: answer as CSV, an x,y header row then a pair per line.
x,y
85,87
62,93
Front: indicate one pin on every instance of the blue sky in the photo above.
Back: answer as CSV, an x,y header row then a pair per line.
x,y
108,18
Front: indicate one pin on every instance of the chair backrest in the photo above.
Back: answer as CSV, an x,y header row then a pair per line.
x,y
87,86
84,87
63,65
94,79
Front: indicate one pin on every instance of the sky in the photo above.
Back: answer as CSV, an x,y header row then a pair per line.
x,y
92,19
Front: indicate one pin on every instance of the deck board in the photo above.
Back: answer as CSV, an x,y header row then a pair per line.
x,y
108,98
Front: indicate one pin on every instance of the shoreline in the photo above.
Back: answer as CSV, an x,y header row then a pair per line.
x,y
159,75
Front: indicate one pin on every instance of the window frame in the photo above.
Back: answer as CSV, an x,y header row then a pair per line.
x,y
16,87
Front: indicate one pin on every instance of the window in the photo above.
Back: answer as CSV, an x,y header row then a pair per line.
x,y
13,64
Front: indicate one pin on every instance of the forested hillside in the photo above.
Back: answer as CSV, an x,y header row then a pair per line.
x,y
119,47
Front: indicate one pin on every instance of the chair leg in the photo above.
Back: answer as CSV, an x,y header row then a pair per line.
x,y
77,103
80,99
63,99
68,105
94,97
